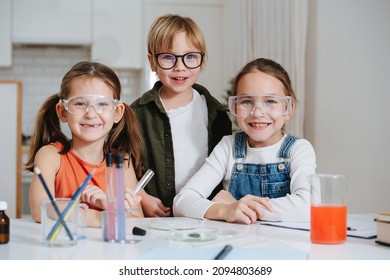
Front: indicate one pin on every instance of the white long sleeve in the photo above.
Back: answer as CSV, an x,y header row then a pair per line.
x,y
192,200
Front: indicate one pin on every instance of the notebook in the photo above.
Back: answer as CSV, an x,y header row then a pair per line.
x,y
237,253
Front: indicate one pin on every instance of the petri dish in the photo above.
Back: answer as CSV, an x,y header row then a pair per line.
x,y
200,234
172,223
227,233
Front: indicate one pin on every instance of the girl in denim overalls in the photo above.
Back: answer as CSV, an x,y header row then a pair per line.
x,y
263,169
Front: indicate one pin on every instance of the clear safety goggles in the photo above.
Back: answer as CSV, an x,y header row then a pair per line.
x,y
79,105
272,105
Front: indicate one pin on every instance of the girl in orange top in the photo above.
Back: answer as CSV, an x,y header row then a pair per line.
x,y
89,102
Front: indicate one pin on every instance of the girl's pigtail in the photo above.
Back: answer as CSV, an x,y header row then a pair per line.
x,y
126,137
47,129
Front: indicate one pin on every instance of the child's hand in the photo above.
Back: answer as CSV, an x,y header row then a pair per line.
x,y
153,207
247,210
264,201
95,196
224,197
131,200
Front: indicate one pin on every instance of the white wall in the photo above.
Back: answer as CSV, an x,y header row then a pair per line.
x,y
348,96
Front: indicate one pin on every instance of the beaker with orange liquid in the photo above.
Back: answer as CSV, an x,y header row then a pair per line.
x,y
328,219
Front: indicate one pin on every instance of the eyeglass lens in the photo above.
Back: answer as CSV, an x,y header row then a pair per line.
x,y
190,60
271,105
81,104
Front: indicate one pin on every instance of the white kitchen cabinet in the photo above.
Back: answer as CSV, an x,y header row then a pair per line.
x,y
62,22
117,27
5,33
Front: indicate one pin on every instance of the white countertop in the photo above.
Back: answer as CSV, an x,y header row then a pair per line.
x,y
25,243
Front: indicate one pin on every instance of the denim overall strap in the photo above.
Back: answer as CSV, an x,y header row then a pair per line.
x,y
285,149
239,148
266,180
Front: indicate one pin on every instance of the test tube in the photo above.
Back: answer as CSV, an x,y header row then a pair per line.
x,y
144,181
120,198
111,195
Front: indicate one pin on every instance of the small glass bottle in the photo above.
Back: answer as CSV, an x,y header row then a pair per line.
x,y
4,223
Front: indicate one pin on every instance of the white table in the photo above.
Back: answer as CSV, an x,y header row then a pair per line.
x,y
25,243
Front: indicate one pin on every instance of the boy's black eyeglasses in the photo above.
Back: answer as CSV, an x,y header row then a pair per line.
x,y
190,60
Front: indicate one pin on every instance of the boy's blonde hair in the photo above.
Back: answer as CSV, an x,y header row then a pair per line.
x,y
163,30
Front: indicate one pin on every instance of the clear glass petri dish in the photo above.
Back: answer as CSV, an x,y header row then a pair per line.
x,y
200,234
174,223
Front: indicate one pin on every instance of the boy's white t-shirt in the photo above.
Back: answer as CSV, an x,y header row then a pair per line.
x,y
190,138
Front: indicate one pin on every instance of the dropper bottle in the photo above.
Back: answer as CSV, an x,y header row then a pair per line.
x,y
4,223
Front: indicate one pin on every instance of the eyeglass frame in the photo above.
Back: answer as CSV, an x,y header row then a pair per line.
x,y
232,99
65,102
202,54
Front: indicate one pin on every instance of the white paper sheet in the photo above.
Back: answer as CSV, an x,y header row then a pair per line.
x,y
361,229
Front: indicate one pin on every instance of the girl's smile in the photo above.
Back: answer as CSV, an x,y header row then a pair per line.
x,y
90,125
259,125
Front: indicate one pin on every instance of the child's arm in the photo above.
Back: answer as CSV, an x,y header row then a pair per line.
x,y
224,196
47,160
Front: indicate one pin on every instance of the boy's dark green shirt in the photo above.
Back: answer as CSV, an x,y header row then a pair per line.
x,y
156,131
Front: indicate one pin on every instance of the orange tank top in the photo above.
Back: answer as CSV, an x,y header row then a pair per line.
x,y
73,172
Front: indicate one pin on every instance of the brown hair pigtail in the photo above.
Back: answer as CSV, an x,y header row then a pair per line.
x,y
47,129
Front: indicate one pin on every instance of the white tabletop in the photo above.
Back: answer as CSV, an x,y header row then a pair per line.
x,y
25,243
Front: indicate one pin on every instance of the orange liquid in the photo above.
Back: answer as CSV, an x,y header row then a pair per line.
x,y
328,224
